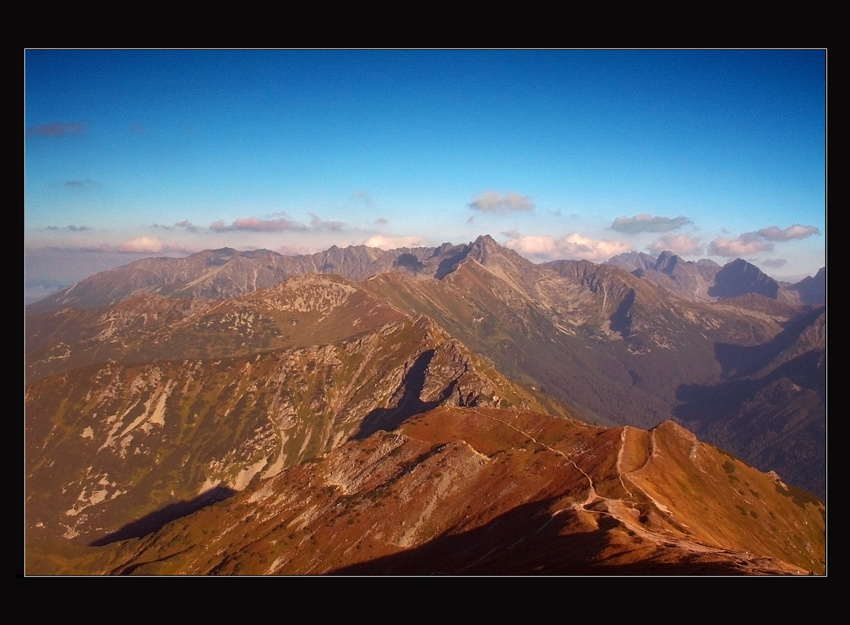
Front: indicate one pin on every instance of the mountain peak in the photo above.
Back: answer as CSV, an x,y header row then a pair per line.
x,y
483,247
739,278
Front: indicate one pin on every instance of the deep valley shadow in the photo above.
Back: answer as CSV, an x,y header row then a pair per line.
x,y
775,421
156,520
747,359
408,405
527,540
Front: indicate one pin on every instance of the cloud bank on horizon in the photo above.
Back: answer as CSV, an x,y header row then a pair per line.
x,y
576,154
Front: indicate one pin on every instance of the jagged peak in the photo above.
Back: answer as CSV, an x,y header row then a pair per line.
x,y
666,262
485,248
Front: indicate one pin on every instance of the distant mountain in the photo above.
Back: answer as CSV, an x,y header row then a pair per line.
x,y
705,280
739,278
171,393
812,290
686,278
227,273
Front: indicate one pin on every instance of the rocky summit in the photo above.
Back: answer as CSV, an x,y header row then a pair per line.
x,y
448,410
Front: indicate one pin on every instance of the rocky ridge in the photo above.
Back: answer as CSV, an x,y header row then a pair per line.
x,y
484,491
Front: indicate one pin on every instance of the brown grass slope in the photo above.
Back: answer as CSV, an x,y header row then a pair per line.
x,y
487,491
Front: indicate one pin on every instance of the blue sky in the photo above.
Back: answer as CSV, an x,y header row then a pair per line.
x,y
556,153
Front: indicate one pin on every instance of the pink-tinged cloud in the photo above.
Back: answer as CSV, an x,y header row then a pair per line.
x,y
572,246
797,231
745,245
494,202
391,243
680,244
141,245
56,129
252,224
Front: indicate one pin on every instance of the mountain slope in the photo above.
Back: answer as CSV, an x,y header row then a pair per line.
x,y
483,491
132,436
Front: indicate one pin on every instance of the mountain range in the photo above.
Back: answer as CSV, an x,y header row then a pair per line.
x,y
465,389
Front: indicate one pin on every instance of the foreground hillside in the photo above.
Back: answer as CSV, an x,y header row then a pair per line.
x,y
488,491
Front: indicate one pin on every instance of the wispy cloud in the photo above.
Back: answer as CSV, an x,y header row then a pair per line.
x,y
362,196
317,223
648,223
185,225
797,231
494,202
572,246
56,129
774,262
382,221
80,184
71,228
681,244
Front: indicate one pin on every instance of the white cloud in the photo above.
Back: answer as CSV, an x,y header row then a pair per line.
x,y
572,246
391,243
494,202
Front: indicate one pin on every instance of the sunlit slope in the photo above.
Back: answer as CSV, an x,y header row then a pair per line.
x,y
485,491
